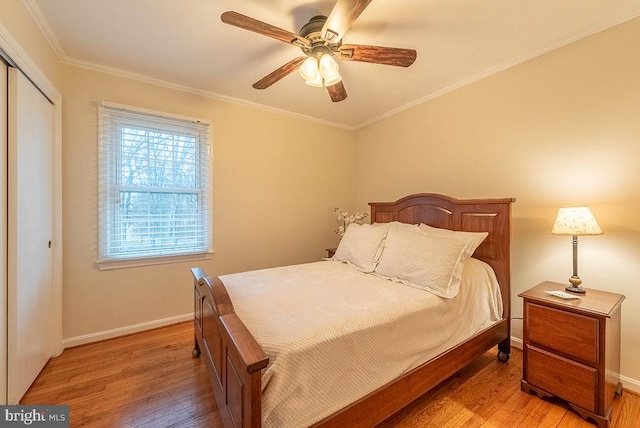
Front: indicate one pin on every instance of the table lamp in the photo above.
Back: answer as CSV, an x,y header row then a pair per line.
x,y
575,221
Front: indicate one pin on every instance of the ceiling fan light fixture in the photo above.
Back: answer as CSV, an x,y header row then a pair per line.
x,y
332,80
309,69
320,72
317,82
328,67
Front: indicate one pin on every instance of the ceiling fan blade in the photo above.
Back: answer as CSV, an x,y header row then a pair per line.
x,y
378,55
337,92
343,14
279,73
248,23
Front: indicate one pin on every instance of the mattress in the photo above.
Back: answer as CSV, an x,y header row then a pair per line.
x,y
334,334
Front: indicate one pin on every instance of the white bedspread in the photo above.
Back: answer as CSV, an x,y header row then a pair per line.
x,y
333,334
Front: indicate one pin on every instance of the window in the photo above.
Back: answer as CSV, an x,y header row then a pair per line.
x,y
154,196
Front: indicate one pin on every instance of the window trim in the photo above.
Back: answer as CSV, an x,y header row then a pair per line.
x,y
107,263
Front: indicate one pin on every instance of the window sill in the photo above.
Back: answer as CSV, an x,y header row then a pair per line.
x,y
150,261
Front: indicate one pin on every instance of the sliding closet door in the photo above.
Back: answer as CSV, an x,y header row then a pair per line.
x,y
30,206
3,232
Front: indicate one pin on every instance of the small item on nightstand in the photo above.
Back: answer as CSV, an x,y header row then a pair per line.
x,y
562,294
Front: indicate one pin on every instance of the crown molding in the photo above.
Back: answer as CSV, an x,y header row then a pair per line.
x,y
42,23
188,89
605,24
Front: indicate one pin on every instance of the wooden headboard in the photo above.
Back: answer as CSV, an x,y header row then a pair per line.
x,y
471,215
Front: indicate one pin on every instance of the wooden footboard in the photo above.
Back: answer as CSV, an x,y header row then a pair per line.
x,y
233,357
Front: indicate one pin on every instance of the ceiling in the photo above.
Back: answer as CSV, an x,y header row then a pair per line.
x,y
183,43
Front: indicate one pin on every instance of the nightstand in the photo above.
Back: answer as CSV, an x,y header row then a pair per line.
x,y
571,349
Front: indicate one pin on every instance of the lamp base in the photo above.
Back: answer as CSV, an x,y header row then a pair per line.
x,y
575,286
575,289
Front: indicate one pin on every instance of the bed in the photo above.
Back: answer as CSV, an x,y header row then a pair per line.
x,y
239,367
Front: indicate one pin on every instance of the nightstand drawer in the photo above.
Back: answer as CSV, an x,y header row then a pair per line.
x,y
563,378
568,333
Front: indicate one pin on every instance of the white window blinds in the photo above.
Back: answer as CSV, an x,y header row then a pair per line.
x,y
154,187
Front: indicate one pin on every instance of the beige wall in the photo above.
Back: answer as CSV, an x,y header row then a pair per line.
x,y
276,180
561,129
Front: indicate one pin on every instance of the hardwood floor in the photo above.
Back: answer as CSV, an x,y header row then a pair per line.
x,y
147,379
150,380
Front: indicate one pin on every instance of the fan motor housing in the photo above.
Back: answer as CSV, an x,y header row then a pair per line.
x,y
312,30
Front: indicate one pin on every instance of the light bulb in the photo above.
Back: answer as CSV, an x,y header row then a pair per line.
x,y
309,69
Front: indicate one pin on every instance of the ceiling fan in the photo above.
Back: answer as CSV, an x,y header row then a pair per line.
x,y
321,40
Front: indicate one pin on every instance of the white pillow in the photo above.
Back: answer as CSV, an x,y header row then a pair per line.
x,y
430,263
474,238
361,245
404,226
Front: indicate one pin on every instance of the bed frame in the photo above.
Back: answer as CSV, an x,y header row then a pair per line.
x,y
235,360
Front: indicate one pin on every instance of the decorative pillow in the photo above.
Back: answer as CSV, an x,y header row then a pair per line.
x,y
430,263
474,238
361,245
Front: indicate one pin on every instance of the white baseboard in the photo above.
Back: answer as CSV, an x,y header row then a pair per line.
x,y
516,343
627,382
630,384
122,331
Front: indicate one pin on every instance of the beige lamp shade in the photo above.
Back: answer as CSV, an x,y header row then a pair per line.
x,y
576,221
